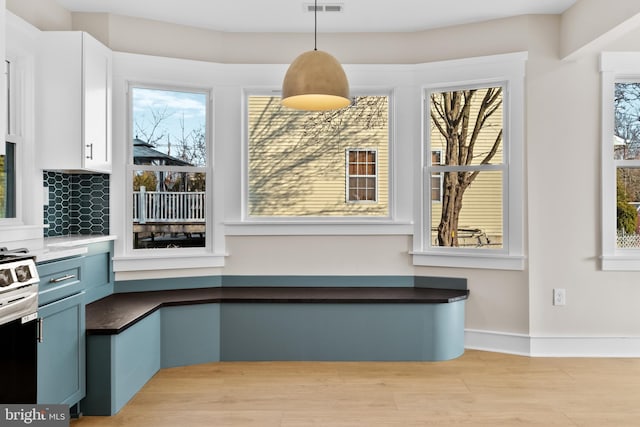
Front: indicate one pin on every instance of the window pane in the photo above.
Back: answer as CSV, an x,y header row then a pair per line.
x,y
436,191
627,204
480,212
169,209
8,183
626,138
169,130
466,129
169,127
448,124
296,162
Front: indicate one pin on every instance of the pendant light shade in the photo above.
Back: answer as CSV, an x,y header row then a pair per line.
x,y
315,81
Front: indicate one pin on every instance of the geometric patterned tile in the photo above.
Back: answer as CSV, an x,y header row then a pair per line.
x,y
78,204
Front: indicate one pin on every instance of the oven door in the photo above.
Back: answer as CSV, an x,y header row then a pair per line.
x,y
18,362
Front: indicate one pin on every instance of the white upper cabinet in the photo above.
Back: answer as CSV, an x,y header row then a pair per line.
x,y
74,102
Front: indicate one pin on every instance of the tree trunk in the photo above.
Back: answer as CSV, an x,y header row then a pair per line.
x,y
455,183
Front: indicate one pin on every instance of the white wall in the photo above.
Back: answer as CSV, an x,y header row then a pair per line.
x,y
46,15
564,199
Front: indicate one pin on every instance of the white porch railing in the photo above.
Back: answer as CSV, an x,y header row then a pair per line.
x,y
168,207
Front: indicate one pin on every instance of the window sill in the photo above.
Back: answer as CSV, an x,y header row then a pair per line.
x,y
310,228
13,230
166,261
621,263
467,260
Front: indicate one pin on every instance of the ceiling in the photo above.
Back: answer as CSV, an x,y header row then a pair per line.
x,y
293,16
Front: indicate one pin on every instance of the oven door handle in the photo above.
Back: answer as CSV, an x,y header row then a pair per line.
x,y
40,329
63,278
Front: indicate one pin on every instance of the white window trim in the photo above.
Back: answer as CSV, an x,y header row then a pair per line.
x,y
507,70
167,259
21,47
348,175
614,67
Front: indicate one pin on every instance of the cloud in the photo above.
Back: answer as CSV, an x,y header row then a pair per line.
x,y
188,103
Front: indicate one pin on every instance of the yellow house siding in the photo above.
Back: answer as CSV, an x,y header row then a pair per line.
x,y
482,206
298,160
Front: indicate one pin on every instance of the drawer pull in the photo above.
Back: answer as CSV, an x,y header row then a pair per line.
x,y
63,278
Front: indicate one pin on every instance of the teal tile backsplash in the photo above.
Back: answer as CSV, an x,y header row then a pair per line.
x,y
78,204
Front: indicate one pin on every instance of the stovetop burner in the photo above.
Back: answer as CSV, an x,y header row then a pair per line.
x,y
7,255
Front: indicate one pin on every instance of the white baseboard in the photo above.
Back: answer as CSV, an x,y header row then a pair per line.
x,y
497,342
525,345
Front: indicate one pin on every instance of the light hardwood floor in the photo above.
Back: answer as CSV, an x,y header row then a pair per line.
x,y
477,389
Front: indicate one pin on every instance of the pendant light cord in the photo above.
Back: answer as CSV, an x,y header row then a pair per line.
x,y
315,28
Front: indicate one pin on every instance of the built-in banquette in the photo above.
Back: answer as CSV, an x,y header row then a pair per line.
x,y
131,335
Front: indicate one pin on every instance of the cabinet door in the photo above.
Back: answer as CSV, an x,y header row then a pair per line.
x,y
61,352
97,105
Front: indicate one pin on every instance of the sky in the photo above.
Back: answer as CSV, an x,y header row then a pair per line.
x,y
176,104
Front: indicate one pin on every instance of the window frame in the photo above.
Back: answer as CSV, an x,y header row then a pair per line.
x,y
507,71
159,257
291,225
615,67
349,175
15,110
21,50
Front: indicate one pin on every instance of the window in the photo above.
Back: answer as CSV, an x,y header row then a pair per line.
x,y
467,125
8,182
296,164
8,156
626,156
168,167
620,161
361,176
472,165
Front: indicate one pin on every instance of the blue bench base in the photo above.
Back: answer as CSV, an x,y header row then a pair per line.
x,y
120,363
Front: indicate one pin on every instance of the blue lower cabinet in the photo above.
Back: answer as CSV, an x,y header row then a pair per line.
x,y
61,352
98,271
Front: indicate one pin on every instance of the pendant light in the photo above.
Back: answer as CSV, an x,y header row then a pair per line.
x,y
315,80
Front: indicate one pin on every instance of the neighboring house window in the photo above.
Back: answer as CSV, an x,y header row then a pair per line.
x,y
361,175
436,177
295,160
168,166
620,161
472,183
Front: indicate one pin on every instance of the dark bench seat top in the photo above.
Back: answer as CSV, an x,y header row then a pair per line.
x,y
115,313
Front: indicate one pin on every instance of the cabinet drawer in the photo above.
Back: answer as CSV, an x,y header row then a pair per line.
x,y
60,279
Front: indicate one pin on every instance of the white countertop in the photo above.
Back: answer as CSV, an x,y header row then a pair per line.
x,y
66,246
74,240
